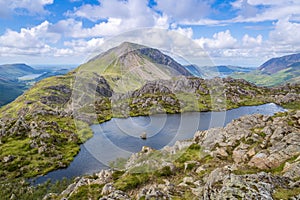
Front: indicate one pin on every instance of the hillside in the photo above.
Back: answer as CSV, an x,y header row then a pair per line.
x,y
275,65
131,65
42,129
276,71
13,71
17,78
216,71
253,157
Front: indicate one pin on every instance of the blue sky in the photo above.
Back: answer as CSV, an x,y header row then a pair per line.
x,y
236,32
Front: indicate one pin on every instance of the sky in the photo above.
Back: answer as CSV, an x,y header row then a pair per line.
x,y
232,32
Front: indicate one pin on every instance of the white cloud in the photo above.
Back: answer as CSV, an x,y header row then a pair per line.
x,y
112,17
272,2
35,37
31,6
132,10
187,32
84,46
220,40
271,10
286,33
74,29
249,41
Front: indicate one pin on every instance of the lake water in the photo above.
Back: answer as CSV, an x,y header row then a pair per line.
x,y
121,137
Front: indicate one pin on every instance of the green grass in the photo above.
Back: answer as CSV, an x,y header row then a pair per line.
x,y
292,106
131,181
285,194
278,78
92,192
23,191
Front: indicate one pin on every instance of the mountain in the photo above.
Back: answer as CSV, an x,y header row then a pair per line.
x,y
275,65
276,71
13,71
216,71
17,78
43,129
132,65
10,87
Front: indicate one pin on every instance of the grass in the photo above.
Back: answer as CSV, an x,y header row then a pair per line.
x,y
92,192
285,194
278,78
131,181
23,191
292,105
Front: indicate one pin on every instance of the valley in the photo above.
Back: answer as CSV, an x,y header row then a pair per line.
x,y
42,130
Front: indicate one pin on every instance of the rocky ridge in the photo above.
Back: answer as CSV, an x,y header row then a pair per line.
x,y
253,157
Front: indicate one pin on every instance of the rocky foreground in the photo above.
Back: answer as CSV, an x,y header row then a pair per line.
x,y
254,157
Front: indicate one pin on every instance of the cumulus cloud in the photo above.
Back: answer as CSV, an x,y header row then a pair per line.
x,y
30,6
35,37
220,40
110,21
84,46
249,41
286,32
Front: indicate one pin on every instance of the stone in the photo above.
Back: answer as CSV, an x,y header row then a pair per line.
x,y
8,158
107,189
259,161
188,180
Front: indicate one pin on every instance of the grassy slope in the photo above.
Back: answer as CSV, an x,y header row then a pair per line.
x,y
62,145
10,90
284,76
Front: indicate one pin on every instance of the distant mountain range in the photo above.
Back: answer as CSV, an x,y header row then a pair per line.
x,y
42,130
16,78
275,71
216,71
275,65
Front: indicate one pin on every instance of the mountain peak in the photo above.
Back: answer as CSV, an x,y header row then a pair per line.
x,y
130,45
136,63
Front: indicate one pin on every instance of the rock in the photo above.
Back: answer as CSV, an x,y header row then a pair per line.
x,y
200,170
50,196
45,136
42,149
240,153
259,161
292,170
220,153
117,194
8,158
74,186
154,192
143,136
190,164
221,184
104,176
188,180
107,189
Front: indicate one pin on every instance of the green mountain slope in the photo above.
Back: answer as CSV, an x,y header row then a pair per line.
x,y
17,78
129,66
275,65
13,71
42,129
276,71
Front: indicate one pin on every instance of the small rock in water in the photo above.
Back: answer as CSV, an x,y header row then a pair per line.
x,y
143,136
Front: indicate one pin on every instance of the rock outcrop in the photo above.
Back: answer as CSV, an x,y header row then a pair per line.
x,y
253,157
